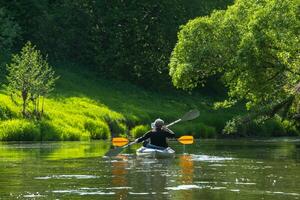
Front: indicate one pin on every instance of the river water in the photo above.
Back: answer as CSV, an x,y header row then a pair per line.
x,y
207,169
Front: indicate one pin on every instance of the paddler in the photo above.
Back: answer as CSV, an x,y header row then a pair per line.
x,y
158,136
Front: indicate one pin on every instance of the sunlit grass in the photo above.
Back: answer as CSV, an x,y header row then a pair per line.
x,y
84,106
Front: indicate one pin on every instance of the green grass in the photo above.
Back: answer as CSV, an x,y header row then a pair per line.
x,y
84,106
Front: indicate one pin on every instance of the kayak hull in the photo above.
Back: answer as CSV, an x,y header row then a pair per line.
x,y
155,153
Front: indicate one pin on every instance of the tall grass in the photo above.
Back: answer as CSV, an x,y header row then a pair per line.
x,y
19,129
139,131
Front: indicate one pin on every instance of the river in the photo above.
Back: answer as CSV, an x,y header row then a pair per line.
x,y
207,169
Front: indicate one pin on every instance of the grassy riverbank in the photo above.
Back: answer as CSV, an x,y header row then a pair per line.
x,y
84,106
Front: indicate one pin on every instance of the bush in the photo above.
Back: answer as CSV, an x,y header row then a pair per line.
x,y
97,129
19,130
49,132
198,130
117,128
5,112
272,128
139,130
70,133
290,128
208,132
57,130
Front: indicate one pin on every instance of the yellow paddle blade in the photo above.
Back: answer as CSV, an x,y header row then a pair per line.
x,y
119,141
186,139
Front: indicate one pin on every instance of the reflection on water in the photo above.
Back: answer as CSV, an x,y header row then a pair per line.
x,y
210,169
187,168
119,179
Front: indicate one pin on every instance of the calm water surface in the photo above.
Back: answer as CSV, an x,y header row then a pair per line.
x,y
208,169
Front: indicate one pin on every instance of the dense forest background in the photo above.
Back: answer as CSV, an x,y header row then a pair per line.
x,y
124,40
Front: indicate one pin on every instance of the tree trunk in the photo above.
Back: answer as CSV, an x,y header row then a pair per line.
x,y
37,106
42,105
24,97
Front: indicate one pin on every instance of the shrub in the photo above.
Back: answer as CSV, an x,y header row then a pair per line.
x,y
5,112
70,133
271,128
117,128
8,109
208,132
198,130
290,128
97,129
49,132
57,130
139,130
19,130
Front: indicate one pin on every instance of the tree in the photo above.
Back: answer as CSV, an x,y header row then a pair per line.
x,y
255,46
30,77
9,32
138,37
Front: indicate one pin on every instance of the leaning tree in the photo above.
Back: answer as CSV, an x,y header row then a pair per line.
x,y
254,46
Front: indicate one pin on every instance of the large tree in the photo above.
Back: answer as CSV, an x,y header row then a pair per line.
x,y
254,45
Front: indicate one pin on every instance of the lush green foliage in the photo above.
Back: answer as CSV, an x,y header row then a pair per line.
x,y
254,46
30,77
139,130
110,108
19,129
9,32
98,129
125,40
198,130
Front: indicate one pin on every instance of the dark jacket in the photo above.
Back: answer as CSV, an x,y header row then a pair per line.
x,y
157,137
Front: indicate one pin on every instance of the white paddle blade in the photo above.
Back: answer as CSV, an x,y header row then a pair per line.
x,y
192,114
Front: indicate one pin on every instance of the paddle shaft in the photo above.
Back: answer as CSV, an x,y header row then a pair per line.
x,y
178,120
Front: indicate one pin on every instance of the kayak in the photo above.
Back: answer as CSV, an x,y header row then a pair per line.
x,y
155,153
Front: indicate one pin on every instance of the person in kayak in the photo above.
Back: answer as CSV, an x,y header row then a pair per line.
x,y
158,136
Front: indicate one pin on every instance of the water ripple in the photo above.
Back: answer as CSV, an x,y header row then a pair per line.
x,y
67,177
83,192
207,158
184,187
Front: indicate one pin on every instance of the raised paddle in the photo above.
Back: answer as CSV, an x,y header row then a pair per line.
x,y
192,114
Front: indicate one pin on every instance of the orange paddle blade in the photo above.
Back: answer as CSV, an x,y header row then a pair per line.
x,y
186,139
119,141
